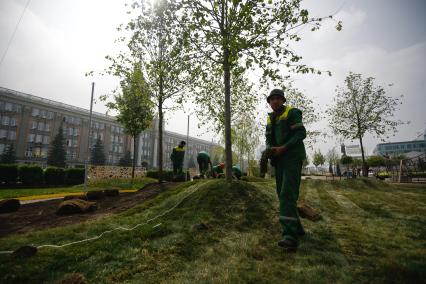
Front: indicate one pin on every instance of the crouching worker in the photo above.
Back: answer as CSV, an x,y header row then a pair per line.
x,y
217,170
203,160
284,140
236,172
177,156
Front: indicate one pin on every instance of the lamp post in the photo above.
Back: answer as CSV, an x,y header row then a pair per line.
x,y
88,139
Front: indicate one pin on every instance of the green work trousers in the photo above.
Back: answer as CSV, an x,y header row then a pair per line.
x,y
177,169
203,165
287,176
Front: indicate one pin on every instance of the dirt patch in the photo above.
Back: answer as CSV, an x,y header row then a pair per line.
x,y
42,215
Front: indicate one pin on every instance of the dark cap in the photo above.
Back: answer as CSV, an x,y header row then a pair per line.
x,y
276,92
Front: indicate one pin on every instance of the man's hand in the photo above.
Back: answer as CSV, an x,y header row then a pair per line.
x,y
278,151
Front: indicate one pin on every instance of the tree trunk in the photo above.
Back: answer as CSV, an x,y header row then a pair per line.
x,y
134,158
228,143
364,166
160,138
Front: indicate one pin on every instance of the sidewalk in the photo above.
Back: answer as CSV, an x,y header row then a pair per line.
x,y
45,197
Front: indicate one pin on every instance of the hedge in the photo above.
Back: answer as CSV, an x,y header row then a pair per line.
x,y
54,176
8,173
417,174
74,176
167,175
31,175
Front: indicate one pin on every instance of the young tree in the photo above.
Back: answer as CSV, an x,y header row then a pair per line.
x,y
155,41
332,159
362,107
296,98
318,159
235,36
126,161
134,106
346,161
57,155
8,156
246,133
97,156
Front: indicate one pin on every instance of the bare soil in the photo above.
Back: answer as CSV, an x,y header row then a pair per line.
x,y
41,215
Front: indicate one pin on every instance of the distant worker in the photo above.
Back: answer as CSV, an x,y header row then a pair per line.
x,y
236,172
217,170
177,156
203,159
284,141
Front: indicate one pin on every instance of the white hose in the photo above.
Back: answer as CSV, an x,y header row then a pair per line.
x,y
115,229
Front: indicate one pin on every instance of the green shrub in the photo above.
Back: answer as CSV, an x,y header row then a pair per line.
x,y
8,173
74,176
31,175
167,175
383,175
418,174
54,176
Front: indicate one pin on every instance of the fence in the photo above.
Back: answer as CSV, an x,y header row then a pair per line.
x,y
96,173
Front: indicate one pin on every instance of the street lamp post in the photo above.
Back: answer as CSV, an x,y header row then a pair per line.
x,y
88,138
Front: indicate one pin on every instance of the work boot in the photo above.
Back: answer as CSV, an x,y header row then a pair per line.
x,y
288,244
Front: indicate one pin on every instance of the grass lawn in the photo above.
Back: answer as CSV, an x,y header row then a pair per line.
x,y
120,183
371,232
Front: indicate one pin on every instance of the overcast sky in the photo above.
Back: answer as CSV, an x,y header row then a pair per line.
x,y
57,42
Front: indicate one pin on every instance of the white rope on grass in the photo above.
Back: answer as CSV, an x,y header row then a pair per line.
x,y
115,229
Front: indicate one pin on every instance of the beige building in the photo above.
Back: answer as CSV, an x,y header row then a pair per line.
x,y
30,123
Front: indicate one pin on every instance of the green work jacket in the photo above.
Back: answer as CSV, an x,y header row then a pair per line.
x,y
203,155
177,155
217,170
236,171
285,128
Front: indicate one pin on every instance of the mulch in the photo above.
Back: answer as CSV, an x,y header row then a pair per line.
x,y
41,215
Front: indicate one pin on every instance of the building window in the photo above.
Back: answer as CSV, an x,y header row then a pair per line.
x,y
50,115
40,126
46,140
5,120
28,152
47,127
34,125
8,106
2,148
12,121
31,138
3,133
43,113
12,135
35,112
39,138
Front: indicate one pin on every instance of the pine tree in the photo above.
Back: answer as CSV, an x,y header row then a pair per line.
x,y
8,156
97,156
126,161
57,154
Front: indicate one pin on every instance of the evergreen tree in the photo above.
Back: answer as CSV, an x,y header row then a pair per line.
x,y
8,156
126,161
57,154
97,156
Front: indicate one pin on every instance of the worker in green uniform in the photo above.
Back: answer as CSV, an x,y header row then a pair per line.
x,y
284,141
177,156
217,170
203,160
236,172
